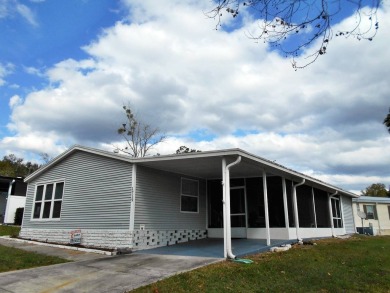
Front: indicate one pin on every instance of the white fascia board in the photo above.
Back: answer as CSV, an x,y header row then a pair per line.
x,y
296,174
271,166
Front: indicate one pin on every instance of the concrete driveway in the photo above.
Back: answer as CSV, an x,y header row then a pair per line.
x,y
99,273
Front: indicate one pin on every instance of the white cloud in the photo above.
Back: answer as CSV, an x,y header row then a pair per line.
x,y
5,69
27,14
8,8
15,101
183,76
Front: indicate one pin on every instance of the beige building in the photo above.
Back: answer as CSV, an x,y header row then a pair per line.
x,y
377,212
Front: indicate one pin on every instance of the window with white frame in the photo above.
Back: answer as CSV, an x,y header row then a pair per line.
x,y
189,197
48,201
336,211
370,211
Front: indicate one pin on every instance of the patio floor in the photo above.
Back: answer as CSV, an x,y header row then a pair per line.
x,y
213,247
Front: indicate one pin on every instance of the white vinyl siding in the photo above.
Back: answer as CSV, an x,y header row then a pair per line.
x,y
157,202
97,193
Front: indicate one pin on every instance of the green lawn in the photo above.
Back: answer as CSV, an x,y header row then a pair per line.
x,y
12,231
16,259
358,264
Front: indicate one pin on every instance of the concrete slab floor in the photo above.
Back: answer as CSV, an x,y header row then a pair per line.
x,y
213,247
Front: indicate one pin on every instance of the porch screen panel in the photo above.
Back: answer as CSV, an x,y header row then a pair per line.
x,y
291,221
305,207
322,208
215,206
255,202
275,202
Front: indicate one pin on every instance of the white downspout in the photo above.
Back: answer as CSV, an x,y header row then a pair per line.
x,y
228,226
331,212
8,201
296,207
224,208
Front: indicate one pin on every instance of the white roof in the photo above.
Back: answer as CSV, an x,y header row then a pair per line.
x,y
372,199
205,165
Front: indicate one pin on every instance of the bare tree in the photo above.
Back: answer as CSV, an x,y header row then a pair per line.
x,y
140,137
292,25
386,122
183,150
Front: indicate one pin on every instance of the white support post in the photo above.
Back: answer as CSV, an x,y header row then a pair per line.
x,y
286,221
296,207
8,201
379,222
314,207
331,212
224,207
266,208
342,214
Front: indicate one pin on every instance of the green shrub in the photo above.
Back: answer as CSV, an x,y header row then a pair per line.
x,y
19,216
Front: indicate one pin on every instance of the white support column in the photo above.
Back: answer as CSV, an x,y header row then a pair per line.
x,y
379,222
286,221
331,212
342,214
314,207
296,207
266,208
224,207
132,203
8,202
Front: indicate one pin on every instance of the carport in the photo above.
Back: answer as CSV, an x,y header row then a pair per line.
x,y
239,233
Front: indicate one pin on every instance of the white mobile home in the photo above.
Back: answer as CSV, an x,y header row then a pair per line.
x,y
377,212
138,203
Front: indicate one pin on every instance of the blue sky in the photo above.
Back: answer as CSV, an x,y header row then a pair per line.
x,y
38,34
67,67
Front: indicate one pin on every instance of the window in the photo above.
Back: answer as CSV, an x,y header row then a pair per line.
x,y
48,201
189,198
370,211
336,212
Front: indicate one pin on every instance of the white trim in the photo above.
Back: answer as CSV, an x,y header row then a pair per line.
x,y
271,166
133,196
43,201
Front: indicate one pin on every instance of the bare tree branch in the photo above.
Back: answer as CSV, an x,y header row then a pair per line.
x,y
140,138
292,25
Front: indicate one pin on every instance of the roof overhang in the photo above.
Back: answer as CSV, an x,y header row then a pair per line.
x,y
207,165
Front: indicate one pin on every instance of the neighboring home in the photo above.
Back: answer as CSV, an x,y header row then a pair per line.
x,y
138,203
12,196
377,212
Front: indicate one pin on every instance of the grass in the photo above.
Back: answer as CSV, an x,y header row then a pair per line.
x,y
16,259
358,264
12,231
